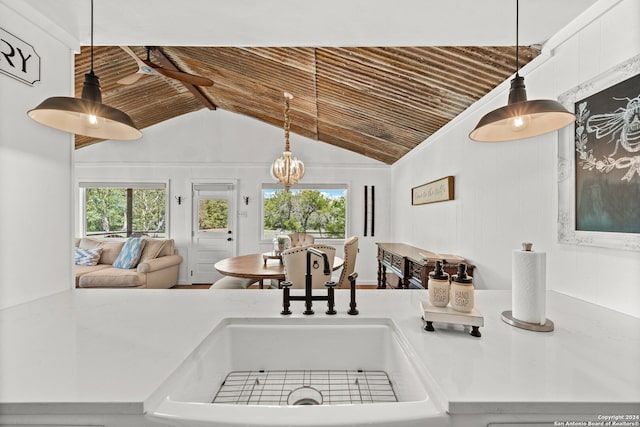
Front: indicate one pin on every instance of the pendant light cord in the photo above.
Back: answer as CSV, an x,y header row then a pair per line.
x,y
91,72
517,40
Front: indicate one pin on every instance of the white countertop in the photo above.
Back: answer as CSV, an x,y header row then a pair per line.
x,y
89,348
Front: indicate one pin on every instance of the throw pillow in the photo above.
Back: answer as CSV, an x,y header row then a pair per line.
x,y
130,253
152,249
88,243
87,257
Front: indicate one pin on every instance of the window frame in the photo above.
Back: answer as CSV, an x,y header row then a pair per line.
x,y
308,186
81,185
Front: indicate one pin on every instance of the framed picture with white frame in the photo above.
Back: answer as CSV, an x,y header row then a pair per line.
x,y
599,161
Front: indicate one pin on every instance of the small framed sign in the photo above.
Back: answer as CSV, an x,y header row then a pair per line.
x,y
439,190
18,59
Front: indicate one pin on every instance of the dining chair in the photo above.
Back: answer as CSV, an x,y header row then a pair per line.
x,y
230,282
349,266
295,265
301,239
297,239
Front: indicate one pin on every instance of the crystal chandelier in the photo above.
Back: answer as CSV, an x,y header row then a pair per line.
x,y
286,168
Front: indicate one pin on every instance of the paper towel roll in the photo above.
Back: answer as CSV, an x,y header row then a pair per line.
x,y
528,272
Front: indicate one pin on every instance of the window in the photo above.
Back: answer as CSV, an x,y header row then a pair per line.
x,y
213,215
124,209
215,208
319,210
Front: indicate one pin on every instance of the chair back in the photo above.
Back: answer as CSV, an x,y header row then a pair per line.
x,y
295,265
350,254
301,239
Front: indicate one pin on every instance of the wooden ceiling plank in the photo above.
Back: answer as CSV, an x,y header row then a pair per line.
x,y
494,59
429,72
270,112
399,82
337,96
249,66
442,59
378,149
415,96
346,115
405,136
468,69
301,58
426,65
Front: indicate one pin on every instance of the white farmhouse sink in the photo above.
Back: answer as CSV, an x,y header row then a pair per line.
x,y
315,346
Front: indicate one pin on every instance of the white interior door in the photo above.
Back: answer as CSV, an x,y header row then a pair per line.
x,y
213,234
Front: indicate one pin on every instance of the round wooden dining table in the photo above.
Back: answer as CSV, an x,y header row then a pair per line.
x,y
253,266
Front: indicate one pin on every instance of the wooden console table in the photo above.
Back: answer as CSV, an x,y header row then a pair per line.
x,y
412,265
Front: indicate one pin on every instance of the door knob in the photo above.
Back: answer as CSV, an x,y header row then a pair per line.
x,y
229,239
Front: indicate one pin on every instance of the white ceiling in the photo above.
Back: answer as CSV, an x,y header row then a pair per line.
x,y
302,22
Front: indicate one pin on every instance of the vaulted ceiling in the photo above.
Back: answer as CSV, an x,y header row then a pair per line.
x,y
380,102
371,97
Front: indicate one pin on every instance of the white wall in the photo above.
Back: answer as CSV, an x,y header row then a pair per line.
x,y
219,144
506,193
35,176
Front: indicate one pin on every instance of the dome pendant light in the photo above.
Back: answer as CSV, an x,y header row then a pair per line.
x,y
286,168
87,115
520,118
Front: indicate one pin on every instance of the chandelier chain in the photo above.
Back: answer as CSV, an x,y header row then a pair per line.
x,y
287,124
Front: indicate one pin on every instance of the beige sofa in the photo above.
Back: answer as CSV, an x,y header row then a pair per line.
x,y
157,268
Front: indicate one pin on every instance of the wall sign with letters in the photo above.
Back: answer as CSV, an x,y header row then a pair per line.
x,y
435,191
18,59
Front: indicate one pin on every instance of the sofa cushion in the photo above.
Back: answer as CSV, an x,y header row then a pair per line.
x,y
81,270
87,243
152,249
87,257
110,251
130,253
168,248
112,278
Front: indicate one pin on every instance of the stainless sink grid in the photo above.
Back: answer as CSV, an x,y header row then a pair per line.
x,y
335,386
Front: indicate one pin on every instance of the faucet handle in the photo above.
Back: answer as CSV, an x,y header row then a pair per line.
x,y
331,305
352,284
285,298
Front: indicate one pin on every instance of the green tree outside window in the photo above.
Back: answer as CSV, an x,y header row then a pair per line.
x,y
107,210
318,212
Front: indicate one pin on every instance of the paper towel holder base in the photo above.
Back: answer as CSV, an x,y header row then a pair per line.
x,y
507,317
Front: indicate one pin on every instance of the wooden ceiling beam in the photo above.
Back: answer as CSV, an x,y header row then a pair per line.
x,y
195,90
